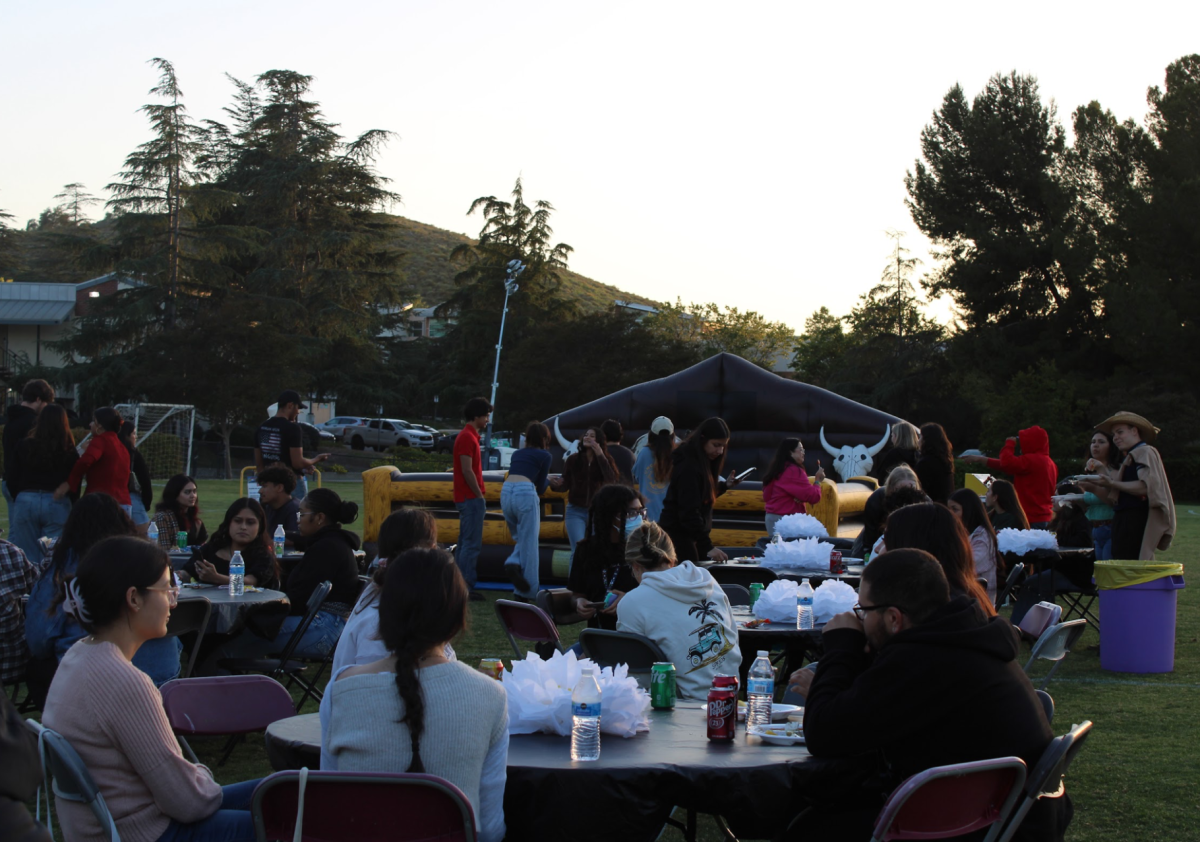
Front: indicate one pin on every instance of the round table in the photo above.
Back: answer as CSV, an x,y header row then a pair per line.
x,y
630,791
228,611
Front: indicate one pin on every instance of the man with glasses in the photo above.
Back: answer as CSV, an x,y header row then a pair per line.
x,y
912,679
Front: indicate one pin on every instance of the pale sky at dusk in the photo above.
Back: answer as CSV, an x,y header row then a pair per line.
x,y
750,154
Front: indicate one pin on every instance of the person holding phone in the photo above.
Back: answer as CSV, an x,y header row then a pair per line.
x,y
600,567
695,486
786,488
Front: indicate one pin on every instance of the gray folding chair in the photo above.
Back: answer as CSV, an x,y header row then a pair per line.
x,y
1047,778
190,615
1047,704
71,780
738,594
1014,576
609,648
1054,645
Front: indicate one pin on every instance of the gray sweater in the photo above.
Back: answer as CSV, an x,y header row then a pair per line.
x,y
465,739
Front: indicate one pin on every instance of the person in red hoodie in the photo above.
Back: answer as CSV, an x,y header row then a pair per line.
x,y
1034,473
105,463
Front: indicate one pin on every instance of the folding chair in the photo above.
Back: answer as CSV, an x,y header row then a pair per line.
x,y
742,574
1054,645
283,664
190,615
609,648
1039,618
71,780
559,605
738,594
1047,778
1010,584
1079,601
522,621
1047,704
320,804
310,685
948,801
233,705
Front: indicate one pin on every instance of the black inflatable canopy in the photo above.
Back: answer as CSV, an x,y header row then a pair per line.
x,y
761,409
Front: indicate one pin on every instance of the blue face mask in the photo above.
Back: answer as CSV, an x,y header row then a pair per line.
x,y
633,524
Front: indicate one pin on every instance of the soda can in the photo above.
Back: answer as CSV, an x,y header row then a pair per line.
x,y
756,589
835,561
182,538
721,680
722,714
662,686
492,667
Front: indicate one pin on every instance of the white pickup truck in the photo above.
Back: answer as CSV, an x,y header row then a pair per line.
x,y
382,433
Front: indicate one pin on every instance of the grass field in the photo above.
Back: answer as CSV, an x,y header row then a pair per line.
x,y
1135,779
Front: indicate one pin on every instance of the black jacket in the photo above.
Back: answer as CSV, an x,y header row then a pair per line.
x,y
947,691
328,555
18,421
34,469
596,564
687,513
20,775
140,471
937,478
892,457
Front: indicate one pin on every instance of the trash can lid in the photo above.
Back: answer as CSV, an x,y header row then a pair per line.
x,y
1122,574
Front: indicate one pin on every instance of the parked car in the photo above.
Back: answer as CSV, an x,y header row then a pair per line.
x,y
444,442
382,433
337,426
313,436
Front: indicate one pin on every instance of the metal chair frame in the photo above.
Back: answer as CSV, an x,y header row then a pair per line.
x,y
1054,645
1047,778
65,774
194,617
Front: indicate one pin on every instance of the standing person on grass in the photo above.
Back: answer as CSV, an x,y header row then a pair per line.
x,y
935,464
621,455
652,468
469,492
520,500
105,463
18,421
583,475
1144,515
695,486
1034,473
1104,459
43,461
785,486
279,440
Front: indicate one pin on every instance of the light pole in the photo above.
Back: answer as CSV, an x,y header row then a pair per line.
x,y
514,268
435,403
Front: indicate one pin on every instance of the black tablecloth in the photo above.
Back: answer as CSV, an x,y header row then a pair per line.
x,y
228,612
629,792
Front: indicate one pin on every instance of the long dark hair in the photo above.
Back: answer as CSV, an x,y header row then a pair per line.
x,y
781,459
169,502
693,449
1114,454
934,528
220,538
108,418
92,519
1006,496
662,445
108,571
610,501
404,529
934,443
974,516
424,603
537,435
52,432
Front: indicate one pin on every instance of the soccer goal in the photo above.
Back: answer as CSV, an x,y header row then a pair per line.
x,y
164,435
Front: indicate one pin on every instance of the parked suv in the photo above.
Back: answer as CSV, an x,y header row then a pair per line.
x,y
338,426
382,433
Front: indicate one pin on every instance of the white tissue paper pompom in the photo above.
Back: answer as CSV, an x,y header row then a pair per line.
x,y
833,597
800,526
539,696
1021,541
805,553
777,602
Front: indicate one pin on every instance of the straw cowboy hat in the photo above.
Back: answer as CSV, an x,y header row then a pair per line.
x,y
1149,431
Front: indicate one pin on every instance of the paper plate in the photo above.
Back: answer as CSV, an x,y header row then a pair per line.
x,y
778,735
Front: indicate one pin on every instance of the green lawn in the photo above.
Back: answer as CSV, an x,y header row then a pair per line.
x,y
1135,778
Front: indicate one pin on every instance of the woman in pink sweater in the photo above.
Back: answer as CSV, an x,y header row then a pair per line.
x,y
111,713
786,488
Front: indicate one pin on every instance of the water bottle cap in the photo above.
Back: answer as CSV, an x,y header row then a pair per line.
x,y
762,653
588,671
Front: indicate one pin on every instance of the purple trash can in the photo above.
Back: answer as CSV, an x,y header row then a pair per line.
x,y
1137,628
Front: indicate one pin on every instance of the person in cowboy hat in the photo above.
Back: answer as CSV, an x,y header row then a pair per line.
x,y
1144,514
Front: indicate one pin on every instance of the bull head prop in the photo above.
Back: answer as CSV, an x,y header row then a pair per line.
x,y
854,461
568,447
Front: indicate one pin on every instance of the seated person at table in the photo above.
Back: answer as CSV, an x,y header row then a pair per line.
x,y
933,528
179,511
881,503
915,678
415,711
243,530
49,631
965,505
405,529
113,716
599,567
681,608
275,487
328,556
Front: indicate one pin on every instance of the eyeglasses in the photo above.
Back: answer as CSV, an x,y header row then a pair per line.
x,y
861,610
172,592
632,513
302,513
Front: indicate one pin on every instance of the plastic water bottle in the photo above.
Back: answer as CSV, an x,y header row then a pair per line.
x,y
237,575
760,690
152,533
585,715
280,540
804,606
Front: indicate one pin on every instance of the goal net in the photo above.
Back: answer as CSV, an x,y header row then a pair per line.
x,y
164,435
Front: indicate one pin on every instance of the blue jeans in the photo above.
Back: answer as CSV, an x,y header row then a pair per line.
x,y
470,537
34,514
522,512
231,823
1102,539
318,641
301,489
139,510
159,659
576,522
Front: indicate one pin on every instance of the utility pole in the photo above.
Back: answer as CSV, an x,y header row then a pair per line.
x,y
514,268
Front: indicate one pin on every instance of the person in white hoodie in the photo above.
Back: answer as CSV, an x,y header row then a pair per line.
x,y
681,608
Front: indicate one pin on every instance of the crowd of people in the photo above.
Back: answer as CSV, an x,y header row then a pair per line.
x,y
923,656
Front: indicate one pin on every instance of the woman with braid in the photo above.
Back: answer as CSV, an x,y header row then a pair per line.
x,y
416,711
681,608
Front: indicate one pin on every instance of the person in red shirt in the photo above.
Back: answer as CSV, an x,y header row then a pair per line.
x,y
469,490
1034,474
105,463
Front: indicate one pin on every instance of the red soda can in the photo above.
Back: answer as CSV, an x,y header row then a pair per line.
x,y
835,561
728,681
722,714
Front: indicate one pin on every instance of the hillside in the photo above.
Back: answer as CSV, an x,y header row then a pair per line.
x,y
428,269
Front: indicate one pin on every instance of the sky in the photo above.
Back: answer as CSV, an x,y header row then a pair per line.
x,y
748,154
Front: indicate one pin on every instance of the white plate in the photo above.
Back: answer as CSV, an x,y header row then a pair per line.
x,y
781,737
1086,477
779,713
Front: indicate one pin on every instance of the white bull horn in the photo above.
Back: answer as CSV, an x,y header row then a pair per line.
x,y
826,445
871,451
562,441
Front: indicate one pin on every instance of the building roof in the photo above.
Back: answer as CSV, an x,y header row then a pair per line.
x,y
36,303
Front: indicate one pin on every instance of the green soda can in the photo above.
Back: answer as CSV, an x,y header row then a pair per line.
x,y
662,686
181,538
756,590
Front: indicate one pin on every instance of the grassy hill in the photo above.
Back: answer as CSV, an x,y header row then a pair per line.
x,y
431,275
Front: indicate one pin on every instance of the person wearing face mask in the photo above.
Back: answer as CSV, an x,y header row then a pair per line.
x,y
600,568
681,608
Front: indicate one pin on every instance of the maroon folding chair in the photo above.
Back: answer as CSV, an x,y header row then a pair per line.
x,y
361,807
948,801
522,621
233,705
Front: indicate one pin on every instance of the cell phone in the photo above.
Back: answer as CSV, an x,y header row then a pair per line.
x,y
596,606
744,474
